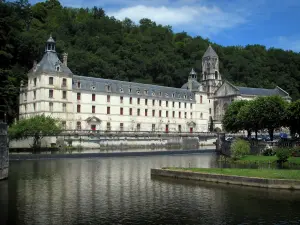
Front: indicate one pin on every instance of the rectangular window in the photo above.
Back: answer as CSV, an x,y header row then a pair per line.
x,y
130,100
138,127
179,104
64,82
64,94
93,97
209,110
78,125
121,126
153,127
78,96
173,104
34,95
78,108
179,114
50,80
108,98
153,112
179,128
78,84
50,93
191,105
64,107
173,114
146,101
121,111
25,108
184,114
201,99
34,107
121,99
191,115
93,127
167,113
167,104
108,127
64,124
130,111
159,102
34,82
153,102
51,106
159,113
146,112
138,101
138,112
185,105
93,109
108,110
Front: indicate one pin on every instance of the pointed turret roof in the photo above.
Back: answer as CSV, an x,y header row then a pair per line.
x,y
50,39
210,52
193,72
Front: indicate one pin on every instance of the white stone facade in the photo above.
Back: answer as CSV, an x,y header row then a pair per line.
x,y
85,103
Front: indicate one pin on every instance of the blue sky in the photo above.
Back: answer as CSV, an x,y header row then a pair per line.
x,y
273,23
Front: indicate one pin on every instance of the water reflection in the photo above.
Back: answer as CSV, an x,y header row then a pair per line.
x,y
121,191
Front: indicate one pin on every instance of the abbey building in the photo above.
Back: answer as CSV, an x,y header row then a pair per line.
x,y
87,103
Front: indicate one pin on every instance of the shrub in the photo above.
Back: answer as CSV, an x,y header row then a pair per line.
x,y
239,148
283,154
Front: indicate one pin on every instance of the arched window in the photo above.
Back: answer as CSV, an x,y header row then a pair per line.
x,y
216,75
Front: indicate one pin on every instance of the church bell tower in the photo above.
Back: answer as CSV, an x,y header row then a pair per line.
x,y
211,77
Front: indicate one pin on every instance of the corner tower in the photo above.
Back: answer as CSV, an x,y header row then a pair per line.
x,y
211,77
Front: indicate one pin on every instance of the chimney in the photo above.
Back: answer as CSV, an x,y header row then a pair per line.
x,y
65,59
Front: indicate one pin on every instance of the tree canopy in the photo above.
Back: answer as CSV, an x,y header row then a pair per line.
x,y
102,46
37,127
270,112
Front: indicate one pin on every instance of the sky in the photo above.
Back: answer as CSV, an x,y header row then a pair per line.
x,y
273,23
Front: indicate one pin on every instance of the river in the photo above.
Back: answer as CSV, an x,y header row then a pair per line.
x,y
120,190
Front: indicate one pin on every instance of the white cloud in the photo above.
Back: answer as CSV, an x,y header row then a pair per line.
x,y
197,19
289,43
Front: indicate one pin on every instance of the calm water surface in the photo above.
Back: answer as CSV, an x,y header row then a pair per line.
x,y
120,191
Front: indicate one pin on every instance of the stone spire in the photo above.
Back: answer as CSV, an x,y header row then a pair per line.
x,y
193,74
210,52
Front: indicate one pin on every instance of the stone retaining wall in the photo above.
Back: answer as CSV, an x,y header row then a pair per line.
x,y
239,180
3,152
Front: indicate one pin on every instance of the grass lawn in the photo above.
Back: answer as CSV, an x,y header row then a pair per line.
x,y
265,159
262,173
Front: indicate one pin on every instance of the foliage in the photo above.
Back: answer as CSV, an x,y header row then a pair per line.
x,y
239,148
102,46
283,154
293,117
230,120
37,127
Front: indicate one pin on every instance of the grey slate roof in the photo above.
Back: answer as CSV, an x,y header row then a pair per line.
x,y
210,52
260,91
49,63
195,85
137,89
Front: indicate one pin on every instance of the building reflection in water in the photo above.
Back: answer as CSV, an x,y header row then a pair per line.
x,y
118,190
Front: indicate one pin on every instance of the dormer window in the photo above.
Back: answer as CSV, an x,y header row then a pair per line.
x,y
173,95
130,90
146,92
121,90
57,68
108,87
167,95
153,93
160,93
138,91
78,84
185,96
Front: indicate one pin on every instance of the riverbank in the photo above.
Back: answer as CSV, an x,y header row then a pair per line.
x,y
265,159
24,156
281,179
